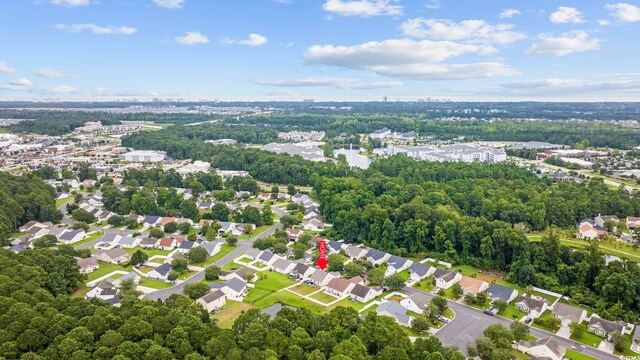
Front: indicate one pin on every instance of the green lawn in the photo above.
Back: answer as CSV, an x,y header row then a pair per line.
x,y
588,339
154,284
404,274
323,297
145,269
546,315
149,252
185,275
230,312
224,250
80,292
257,231
512,313
574,355
62,201
106,268
627,351
615,248
304,289
425,285
269,283
16,234
88,239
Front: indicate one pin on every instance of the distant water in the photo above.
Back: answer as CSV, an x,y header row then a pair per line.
x,y
354,158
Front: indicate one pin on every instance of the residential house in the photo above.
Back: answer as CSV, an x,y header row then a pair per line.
x,y
501,292
396,264
235,289
186,246
363,293
604,327
132,275
167,243
129,242
355,252
244,274
339,287
569,314
252,253
212,247
313,225
111,239
264,196
544,348
633,223
283,266
473,286
28,226
303,271
636,340
601,219
226,227
88,265
396,311
377,257
213,300
105,290
292,234
589,230
446,278
419,271
71,236
114,256
311,212
150,220
161,272
267,258
531,306
148,243
321,278
417,302
334,246
205,205
300,198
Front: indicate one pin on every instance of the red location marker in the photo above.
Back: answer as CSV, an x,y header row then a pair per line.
x,y
322,255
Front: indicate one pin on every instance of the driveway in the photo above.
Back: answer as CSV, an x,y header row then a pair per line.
x,y
470,323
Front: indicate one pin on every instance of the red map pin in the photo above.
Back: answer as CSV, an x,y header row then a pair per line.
x,y
322,255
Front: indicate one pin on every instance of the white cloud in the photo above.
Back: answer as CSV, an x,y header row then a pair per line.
x,y
252,40
50,73
570,86
284,1
339,83
192,38
474,30
70,3
170,4
564,44
364,8
98,30
566,15
509,13
63,89
624,12
433,4
22,82
604,22
405,58
4,68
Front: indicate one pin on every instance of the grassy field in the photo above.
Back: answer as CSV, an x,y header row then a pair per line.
x,y
304,289
185,275
615,248
106,268
80,292
230,312
224,250
425,285
588,339
257,231
323,297
154,284
574,355
512,313
88,239
62,201
269,283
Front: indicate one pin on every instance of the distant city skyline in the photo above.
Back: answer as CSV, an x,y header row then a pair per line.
x,y
327,50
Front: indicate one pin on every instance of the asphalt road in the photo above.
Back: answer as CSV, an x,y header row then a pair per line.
x,y
243,246
470,323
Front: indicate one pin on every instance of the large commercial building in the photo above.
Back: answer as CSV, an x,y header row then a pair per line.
x,y
143,156
462,153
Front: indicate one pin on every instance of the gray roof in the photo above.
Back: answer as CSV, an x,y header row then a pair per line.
x,y
396,261
420,299
636,334
419,268
87,262
499,291
319,275
266,255
568,312
360,290
148,241
353,251
281,264
163,269
445,275
531,303
606,325
236,284
335,245
69,235
127,240
394,309
375,254
212,296
209,246
151,219
187,245
300,268
550,342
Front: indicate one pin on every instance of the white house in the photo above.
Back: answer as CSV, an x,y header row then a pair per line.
x,y
71,236
446,278
419,271
339,287
363,293
213,300
114,256
543,348
105,290
88,265
161,272
416,302
531,306
283,266
234,289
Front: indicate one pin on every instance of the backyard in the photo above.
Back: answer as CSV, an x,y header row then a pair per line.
x,y
323,297
106,268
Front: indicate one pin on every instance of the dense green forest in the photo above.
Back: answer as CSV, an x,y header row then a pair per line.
x,y
24,198
39,321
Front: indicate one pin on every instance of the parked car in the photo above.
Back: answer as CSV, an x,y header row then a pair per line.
x,y
488,312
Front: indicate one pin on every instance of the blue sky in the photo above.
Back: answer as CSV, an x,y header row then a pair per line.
x,y
322,49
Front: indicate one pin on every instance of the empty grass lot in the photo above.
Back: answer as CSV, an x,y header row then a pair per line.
x,y
230,312
323,297
304,289
106,268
